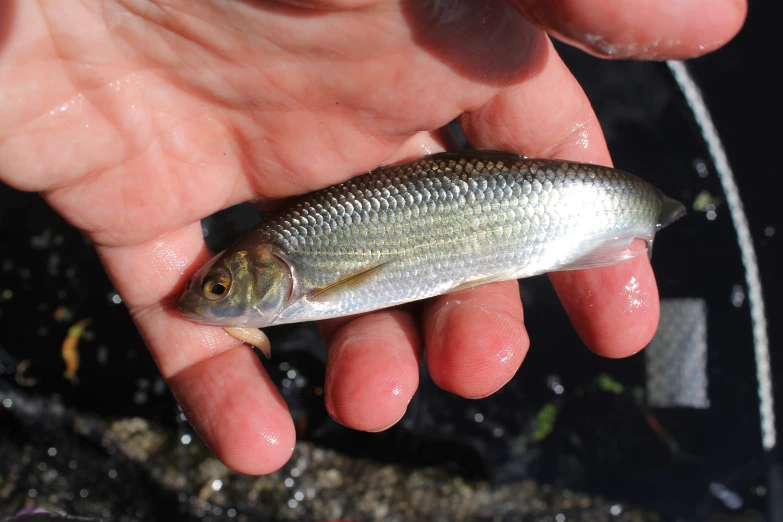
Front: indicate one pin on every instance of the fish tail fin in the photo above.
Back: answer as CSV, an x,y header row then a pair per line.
x,y
671,211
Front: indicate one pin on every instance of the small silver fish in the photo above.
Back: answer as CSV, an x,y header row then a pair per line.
x,y
441,223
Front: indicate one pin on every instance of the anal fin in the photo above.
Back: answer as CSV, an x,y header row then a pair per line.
x,y
610,253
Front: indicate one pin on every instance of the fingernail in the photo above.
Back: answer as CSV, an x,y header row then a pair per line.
x,y
439,322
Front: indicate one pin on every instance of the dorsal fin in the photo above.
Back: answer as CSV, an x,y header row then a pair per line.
x,y
484,155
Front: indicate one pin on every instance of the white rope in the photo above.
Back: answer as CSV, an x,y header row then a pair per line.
x,y
755,298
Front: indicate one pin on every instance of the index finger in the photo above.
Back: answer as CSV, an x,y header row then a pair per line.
x,y
660,30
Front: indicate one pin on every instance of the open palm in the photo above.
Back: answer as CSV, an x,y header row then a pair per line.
x,y
135,119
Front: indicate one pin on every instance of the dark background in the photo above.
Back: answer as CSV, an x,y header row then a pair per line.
x,y
600,442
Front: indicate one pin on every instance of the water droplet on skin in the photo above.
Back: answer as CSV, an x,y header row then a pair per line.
x,y
270,437
426,148
635,299
582,136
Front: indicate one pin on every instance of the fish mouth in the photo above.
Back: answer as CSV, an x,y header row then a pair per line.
x,y
198,318
187,303
192,316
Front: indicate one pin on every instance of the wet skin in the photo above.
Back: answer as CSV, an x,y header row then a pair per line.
x,y
136,119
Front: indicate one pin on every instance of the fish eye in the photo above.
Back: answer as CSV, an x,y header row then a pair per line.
x,y
216,288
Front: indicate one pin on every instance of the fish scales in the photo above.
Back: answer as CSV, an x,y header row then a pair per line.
x,y
406,232
440,222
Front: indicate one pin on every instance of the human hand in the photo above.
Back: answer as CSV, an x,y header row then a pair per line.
x,y
135,119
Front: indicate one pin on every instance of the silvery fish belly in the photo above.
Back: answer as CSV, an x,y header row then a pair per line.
x,y
438,224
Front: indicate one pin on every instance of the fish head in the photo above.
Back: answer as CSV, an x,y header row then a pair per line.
x,y
241,286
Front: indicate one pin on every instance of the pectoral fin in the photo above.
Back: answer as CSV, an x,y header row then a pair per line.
x,y
331,292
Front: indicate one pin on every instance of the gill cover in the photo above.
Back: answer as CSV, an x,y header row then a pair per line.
x,y
247,285
274,282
